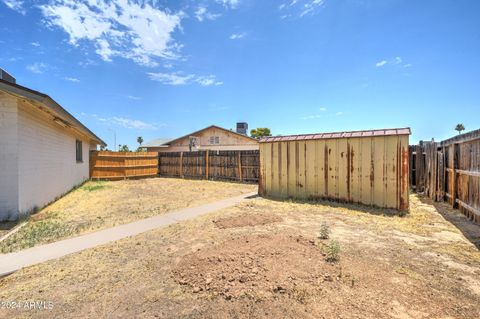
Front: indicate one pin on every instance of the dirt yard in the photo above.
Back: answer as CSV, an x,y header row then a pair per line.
x,y
99,205
264,259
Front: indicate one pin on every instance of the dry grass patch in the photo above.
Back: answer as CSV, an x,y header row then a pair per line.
x,y
99,205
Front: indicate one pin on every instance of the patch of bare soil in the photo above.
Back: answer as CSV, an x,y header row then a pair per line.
x,y
258,267
246,220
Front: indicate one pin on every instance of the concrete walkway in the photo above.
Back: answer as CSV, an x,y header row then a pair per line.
x,y
12,262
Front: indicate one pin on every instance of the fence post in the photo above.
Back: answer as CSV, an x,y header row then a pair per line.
x,y
239,159
454,175
206,163
124,166
181,164
419,169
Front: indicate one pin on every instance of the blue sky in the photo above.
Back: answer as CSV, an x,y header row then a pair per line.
x,y
166,68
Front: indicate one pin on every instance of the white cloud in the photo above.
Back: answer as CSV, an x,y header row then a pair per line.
x,y
16,5
37,67
236,36
286,5
208,80
87,62
229,3
35,44
339,113
202,14
124,122
104,50
311,6
137,31
395,61
181,79
323,109
133,97
171,78
133,124
300,8
75,80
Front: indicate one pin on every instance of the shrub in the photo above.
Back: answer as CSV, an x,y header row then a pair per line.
x,y
324,231
333,251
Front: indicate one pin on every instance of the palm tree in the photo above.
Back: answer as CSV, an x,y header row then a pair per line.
x,y
460,127
140,140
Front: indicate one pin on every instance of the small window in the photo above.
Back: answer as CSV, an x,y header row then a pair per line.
x,y
212,139
217,140
78,150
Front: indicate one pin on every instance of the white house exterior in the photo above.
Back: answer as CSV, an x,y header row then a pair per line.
x,y
39,145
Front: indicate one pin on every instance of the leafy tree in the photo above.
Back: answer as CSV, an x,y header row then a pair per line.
x,y
123,148
139,141
260,132
460,127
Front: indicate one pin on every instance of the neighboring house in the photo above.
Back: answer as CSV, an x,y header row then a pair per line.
x,y
44,150
155,145
209,138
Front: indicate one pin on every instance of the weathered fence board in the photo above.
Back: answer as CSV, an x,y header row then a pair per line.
x,y
121,165
214,165
368,167
450,171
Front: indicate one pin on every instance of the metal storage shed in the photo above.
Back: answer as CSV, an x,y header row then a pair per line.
x,y
367,167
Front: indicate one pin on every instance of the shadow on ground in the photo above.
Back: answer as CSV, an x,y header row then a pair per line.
x,y
373,210
5,227
469,229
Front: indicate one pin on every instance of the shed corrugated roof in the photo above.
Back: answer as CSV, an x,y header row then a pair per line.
x,y
349,134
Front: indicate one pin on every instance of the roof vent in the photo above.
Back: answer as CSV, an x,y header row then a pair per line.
x,y
242,128
7,77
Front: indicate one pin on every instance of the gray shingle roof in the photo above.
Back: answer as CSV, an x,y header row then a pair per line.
x,y
158,142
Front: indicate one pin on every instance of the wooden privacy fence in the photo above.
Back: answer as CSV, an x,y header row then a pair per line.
x,y
215,165
449,171
121,165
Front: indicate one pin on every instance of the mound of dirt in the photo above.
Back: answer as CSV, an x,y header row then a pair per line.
x,y
247,220
258,267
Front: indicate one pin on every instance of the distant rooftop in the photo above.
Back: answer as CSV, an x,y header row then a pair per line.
x,y
159,142
348,134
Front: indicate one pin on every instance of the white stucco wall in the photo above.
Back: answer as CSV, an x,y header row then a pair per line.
x,y
37,158
47,166
8,157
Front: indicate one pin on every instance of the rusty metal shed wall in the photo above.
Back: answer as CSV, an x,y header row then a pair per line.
x,y
368,170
